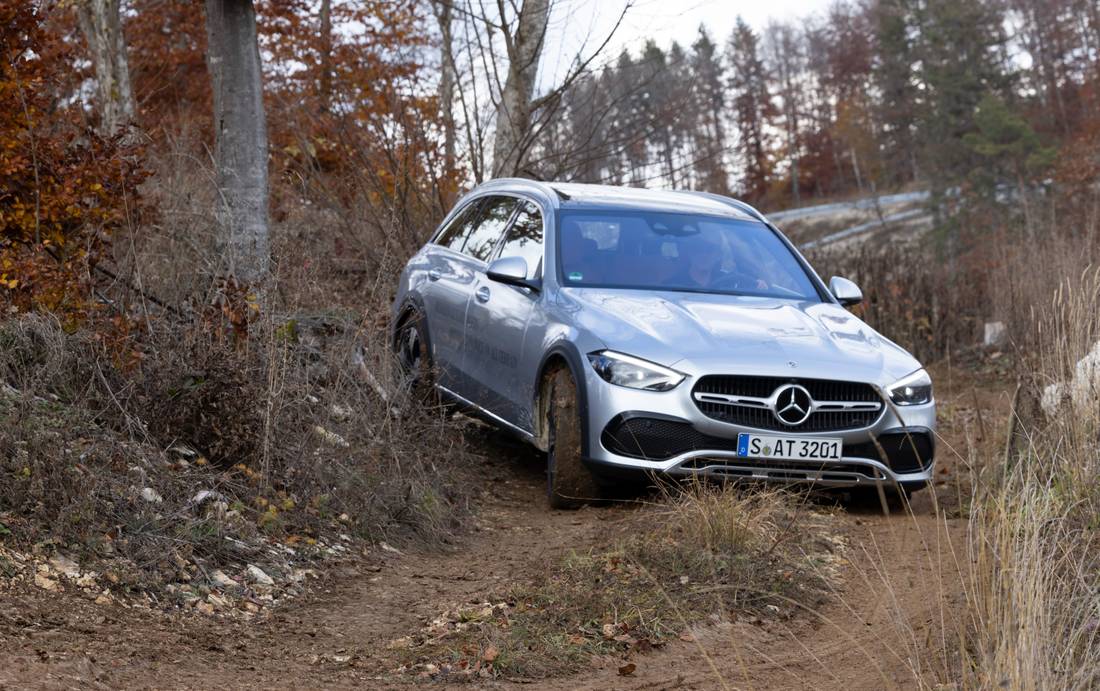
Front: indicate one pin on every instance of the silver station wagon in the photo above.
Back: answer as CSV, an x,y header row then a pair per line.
x,y
630,331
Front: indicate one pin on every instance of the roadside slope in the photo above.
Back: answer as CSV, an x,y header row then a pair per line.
x,y
891,618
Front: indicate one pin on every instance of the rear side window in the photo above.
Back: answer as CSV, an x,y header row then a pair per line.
x,y
525,238
486,234
455,234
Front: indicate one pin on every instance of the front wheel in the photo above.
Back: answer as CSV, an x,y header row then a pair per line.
x,y
411,347
569,483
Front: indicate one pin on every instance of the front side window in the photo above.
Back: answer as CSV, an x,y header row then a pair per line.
x,y
672,251
455,234
525,238
494,219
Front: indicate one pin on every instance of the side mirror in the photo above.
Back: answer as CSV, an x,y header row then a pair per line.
x,y
511,270
845,292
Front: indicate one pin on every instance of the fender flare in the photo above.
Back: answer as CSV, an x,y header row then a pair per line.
x,y
411,303
573,359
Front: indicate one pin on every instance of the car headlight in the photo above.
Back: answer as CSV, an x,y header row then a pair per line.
x,y
632,372
914,389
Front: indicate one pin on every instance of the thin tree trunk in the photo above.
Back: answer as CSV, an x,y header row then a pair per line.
x,y
513,117
855,168
325,85
447,79
240,134
101,25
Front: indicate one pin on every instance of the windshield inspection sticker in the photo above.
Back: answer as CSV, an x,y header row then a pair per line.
x,y
575,276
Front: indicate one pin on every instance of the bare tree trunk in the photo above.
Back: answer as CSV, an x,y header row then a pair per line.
x,y
325,85
855,167
102,28
240,132
447,79
796,189
513,117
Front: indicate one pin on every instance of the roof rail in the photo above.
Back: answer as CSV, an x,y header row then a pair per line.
x,y
561,195
729,201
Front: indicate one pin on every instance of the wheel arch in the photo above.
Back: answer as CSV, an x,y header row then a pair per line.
x,y
412,305
562,354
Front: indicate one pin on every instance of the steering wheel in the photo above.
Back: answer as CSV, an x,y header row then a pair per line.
x,y
734,280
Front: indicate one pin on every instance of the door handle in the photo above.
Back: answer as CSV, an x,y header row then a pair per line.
x,y
435,274
482,294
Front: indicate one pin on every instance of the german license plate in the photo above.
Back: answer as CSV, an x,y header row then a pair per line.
x,y
789,448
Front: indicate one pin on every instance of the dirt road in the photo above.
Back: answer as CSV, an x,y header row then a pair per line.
x,y
892,618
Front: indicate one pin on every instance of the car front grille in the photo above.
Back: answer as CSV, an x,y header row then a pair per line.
x,y
754,415
658,439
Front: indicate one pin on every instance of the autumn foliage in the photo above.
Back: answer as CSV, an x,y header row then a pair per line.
x,y
65,190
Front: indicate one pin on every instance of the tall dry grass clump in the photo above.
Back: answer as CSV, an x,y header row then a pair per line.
x,y
1035,567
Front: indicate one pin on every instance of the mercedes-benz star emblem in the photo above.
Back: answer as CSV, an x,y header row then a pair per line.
x,y
793,405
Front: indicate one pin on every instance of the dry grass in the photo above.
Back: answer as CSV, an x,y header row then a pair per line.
x,y
1035,546
703,554
283,433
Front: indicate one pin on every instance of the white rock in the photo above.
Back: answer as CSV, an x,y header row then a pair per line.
x,y
1085,388
45,583
342,412
331,438
151,495
1052,397
994,333
221,580
218,602
206,495
65,565
388,548
257,575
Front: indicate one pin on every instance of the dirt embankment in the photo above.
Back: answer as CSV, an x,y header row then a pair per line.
x,y
892,617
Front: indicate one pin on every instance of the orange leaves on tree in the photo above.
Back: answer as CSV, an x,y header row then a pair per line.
x,y
64,189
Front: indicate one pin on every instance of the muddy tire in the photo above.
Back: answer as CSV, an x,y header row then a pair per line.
x,y
410,344
569,483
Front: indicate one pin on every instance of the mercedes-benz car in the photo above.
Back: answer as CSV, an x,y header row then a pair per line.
x,y
633,331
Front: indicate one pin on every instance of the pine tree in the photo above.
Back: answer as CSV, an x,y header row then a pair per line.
x,y
898,97
708,99
959,52
753,109
657,107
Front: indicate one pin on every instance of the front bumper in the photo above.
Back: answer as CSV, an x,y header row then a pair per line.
x,y
898,447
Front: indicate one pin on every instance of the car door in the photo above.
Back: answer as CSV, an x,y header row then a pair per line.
x,y
468,272
447,292
497,321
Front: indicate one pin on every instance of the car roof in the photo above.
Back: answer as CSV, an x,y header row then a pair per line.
x,y
573,195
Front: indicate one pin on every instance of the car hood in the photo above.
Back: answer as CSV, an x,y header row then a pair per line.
x,y
706,333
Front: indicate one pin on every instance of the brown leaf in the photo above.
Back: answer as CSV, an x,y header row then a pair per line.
x,y
627,669
490,654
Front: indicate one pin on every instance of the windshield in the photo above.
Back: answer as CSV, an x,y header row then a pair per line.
x,y
668,251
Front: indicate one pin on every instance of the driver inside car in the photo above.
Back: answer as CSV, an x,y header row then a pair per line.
x,y
702,266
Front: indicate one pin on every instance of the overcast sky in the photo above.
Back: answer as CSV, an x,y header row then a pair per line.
x,y
586,23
